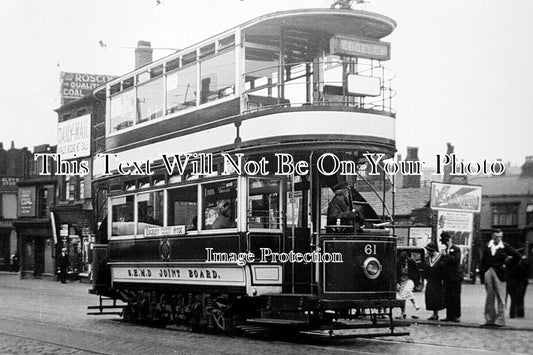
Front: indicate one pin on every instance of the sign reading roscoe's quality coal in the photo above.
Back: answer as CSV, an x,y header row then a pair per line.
x,y
76,85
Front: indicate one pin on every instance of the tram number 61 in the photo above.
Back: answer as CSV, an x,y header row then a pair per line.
x,y
370,249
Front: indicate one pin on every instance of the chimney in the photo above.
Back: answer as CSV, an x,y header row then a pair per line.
x,y
143,53
12,144
1,146
505,165
527,168
411,180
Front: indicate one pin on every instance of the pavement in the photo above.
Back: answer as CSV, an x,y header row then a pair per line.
x,y
472,307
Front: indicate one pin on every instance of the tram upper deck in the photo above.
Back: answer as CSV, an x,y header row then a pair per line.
x,y
288,80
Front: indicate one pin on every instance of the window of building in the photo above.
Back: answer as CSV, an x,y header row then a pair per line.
x,y
8,205
182,207
181,89
505,214
149,210
122,213
264,203
219,205
529,214
217,77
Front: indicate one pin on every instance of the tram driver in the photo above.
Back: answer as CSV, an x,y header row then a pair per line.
x,y
340,209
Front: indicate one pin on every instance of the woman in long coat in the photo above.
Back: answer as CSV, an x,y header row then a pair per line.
x,y
434,272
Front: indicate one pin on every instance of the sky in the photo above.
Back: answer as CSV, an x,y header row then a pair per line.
x,y
464,69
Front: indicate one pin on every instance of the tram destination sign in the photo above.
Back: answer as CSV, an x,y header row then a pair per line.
x,y
361,48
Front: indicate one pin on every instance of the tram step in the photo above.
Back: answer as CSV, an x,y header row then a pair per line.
x,y
365,325
104,307
103,313
355,335
276,321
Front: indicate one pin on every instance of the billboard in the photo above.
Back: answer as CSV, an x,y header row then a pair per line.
x,y
27,201
451,197
76,85
74,137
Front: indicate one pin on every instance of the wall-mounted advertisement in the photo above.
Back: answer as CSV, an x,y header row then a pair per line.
x,y
451,197
76,85
74,137
460,225
26,201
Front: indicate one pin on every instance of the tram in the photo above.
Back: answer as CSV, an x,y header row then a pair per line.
x,y
218,164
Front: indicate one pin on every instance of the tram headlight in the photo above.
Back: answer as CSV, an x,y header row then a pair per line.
x,y
372,268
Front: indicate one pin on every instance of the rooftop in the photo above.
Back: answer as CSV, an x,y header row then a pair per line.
x,y
504,185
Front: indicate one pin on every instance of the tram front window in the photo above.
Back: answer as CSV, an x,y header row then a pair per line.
x,y
219,204
149,211
183,207
264,203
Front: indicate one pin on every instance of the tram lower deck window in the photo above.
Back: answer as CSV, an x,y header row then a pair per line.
x,y
149,211
264,203
182,207
219,205
122,211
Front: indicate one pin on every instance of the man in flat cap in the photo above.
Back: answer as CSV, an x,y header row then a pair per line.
x,y
340,210
496,256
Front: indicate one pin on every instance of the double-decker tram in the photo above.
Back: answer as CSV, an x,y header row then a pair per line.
x,y
216,179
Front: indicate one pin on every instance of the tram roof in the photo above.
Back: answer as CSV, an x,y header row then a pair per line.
x,y
333,21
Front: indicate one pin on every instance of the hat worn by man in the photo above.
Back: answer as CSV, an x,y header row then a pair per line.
x,y
341,185
445,236
432,247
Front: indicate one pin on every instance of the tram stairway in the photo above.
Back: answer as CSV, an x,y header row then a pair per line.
x,y
107,305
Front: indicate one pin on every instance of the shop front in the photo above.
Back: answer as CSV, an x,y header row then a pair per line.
x,y
36,246
74,230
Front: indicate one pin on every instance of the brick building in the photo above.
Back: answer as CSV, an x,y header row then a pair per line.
x,y
14,167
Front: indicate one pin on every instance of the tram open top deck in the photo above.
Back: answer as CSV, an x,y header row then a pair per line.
x,y
293,81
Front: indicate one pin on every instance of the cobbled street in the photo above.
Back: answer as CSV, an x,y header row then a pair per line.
x,y
47,317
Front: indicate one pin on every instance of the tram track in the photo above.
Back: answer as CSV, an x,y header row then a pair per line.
x,y
61,345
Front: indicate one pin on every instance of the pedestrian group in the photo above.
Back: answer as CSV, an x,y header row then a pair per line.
x,y
504,270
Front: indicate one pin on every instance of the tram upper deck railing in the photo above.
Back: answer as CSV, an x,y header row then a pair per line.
x,y
366,86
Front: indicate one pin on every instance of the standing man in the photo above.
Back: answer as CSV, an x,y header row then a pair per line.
x,y
493,265
453,278
340,210
63,265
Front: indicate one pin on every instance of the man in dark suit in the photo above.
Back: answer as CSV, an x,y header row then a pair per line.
x,y
453,278
340,210
496,256
63,263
